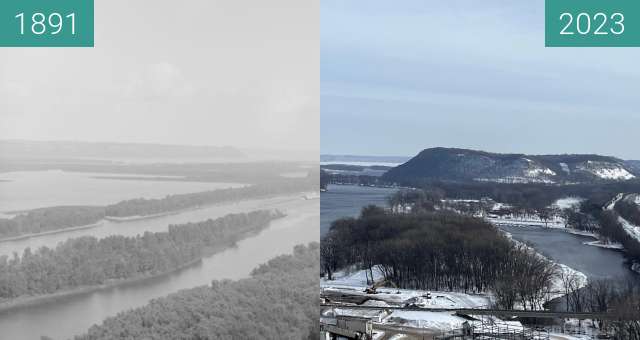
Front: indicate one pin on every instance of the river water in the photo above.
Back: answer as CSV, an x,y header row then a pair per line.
x,y
62,318
562,247
569,249
22,190
135,227
347,201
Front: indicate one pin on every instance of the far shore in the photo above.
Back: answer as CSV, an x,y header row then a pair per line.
x,y
138,217
50,232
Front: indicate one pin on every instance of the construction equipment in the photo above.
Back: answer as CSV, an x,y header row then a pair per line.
x,y
373,289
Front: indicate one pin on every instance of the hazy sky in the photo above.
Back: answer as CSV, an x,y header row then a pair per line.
x,y
241,73
401,76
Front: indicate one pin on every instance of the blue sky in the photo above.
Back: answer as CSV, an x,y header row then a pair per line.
x,y
401,76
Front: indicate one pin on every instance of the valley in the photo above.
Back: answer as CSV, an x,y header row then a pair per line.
x,y
157,210
573,222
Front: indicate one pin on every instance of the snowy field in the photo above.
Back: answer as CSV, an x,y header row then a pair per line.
x,y
354,284
568,202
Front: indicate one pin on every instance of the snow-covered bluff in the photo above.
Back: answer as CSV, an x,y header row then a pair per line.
x,y
471,165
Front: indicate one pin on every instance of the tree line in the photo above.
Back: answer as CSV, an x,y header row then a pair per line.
x,y
536,199
630,211
438,251
171,203
56,218
49,219
88,261
620,298
278,301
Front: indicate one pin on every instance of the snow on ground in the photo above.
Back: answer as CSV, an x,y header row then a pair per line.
x,y
443,321
537,171
460,200
417,298
499,206
515,179
613,202
606,170
557,286
354,284
568,202
357,278
631,229
600,244
529,220
373,314
614,173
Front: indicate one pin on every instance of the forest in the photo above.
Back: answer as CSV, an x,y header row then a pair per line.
x,y
49,219
537,198
141,206
88,261
629,211
438,251
278,301
56,218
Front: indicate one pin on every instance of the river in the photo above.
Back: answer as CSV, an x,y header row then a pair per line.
x,y
560,246
569,249
22,190
347,201
135,227
62,318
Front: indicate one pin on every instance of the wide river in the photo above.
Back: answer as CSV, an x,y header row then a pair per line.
x,y
65,317
562,247
22,190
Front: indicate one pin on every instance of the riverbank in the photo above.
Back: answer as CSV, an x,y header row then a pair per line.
x,y
148,217
117,219
114,219
26,301
206,251
51,232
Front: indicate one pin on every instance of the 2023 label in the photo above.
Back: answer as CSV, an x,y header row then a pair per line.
x,y
592,23
47,23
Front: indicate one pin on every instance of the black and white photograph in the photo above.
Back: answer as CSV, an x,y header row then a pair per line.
x,y
165,183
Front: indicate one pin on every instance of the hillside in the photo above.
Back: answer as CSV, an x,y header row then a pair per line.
x,y
451,164
634,165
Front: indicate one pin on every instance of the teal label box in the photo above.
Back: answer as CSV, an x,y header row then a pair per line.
x,y
46,23
592,23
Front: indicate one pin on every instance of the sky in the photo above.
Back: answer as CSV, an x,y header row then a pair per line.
x,y
399,77
201,72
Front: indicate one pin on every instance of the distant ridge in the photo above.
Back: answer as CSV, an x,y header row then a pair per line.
x,y
471,165
11,149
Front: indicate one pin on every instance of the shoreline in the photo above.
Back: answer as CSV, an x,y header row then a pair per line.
x,y
115,219
27,301
51,232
